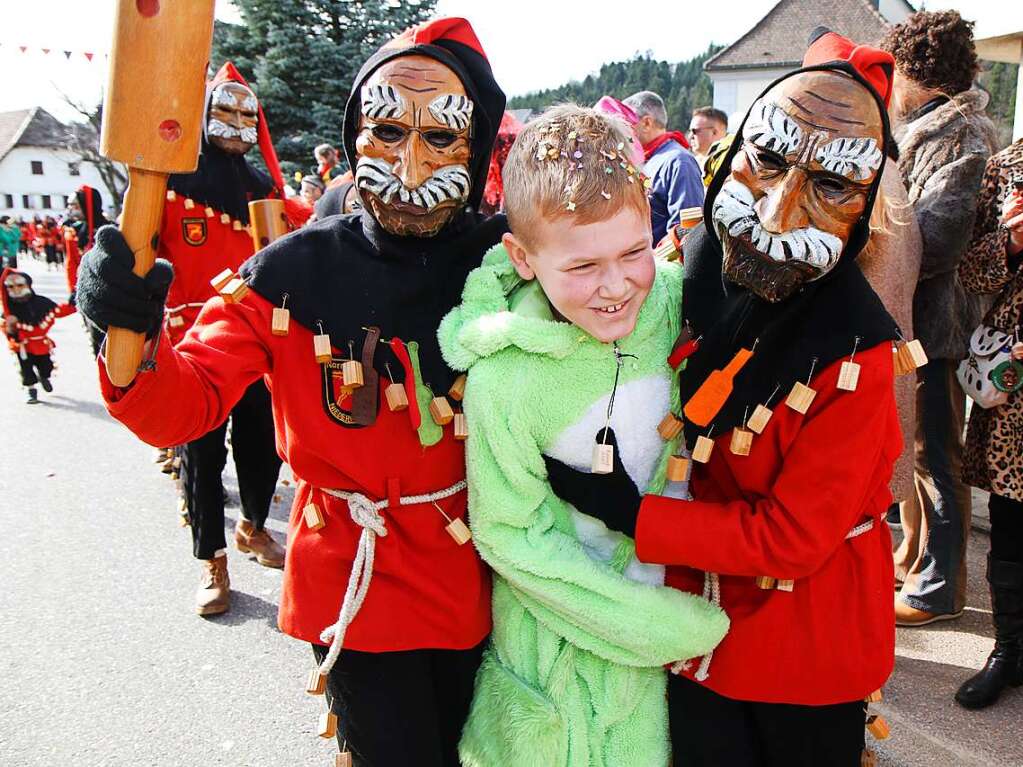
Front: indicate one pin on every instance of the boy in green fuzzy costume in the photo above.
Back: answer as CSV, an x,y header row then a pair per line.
x,y
565,331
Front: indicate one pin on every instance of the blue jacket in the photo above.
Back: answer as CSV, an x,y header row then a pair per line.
x,y
676,183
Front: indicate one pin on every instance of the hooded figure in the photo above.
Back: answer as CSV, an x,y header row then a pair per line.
x,y
341,319
790,422
86,217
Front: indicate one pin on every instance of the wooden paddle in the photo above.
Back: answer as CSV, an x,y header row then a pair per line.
x,y
152,122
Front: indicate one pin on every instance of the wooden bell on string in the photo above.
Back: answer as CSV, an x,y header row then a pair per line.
x,y
351,369
461,427
457,390
321,346
678,468
327,727
455,527
312,516
670,426
703,447
281,318
397,400
316,684
849,372
802,396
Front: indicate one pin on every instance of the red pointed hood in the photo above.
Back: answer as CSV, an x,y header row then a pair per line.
x,y
875,66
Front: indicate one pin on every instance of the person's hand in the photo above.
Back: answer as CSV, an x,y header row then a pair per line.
x,y
612,498
110,294
10,324
1017,351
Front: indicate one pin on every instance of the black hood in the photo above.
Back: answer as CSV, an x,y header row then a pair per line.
x,y
811,329
91,204
225,182
32,309
474,71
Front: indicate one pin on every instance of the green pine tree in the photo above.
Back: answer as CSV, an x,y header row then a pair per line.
x,y
301,57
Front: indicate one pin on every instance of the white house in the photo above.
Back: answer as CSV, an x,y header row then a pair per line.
x,y
37,175
776,44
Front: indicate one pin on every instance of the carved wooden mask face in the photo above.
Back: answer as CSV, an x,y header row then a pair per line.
x,y
811,148
17,287
233,118
413,145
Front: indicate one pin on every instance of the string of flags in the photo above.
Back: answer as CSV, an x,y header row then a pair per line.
x,y
88,55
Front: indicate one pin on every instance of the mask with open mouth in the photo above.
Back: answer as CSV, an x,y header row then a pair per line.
x,y
414,145
799,183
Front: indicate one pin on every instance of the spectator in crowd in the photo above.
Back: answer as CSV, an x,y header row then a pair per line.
x,y
673,171
327,167
10,236
993,459
312,189
944,140
706,127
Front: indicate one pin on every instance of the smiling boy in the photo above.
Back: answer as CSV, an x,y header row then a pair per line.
x,y
565,331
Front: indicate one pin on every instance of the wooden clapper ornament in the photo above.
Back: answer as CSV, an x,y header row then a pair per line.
x,y
152,122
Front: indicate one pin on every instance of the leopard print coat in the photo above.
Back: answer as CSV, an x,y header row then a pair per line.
x,y
993,458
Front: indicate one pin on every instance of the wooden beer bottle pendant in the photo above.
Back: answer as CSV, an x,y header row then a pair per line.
x,y
849,373
321,345
352,369
678,468
461,427
703,447
457,390
440,409
312,516
456,528
281,318
715,390
221,280
397,399
670,426
317,683
742,438
801,396
327,727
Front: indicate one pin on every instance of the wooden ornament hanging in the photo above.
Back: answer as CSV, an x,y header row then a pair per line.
x,y
441,411
209,212
344,759
461,427
785,585
703,448
678,468
351,369
222,279
176,321
802,396
909,355
603,459
225,219
457,390
171,195
312,516
742,441
455,527
281,319
397,399
316,684
765,582
670,426
715,390
878,727
236,225
235,290
327,727
849,372
322,346
868,758
189,203
758,420
875,697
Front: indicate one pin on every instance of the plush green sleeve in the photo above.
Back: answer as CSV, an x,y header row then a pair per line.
x,y
522,530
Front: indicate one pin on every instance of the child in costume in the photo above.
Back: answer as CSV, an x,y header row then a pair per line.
x,y
27,321
565,331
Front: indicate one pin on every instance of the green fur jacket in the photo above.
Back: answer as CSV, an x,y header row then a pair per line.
x,y
574,673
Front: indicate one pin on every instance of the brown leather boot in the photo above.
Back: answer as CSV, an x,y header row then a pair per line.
x,y
214,594
249,540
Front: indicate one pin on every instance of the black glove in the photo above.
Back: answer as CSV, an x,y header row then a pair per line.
x,y
611,498
109,293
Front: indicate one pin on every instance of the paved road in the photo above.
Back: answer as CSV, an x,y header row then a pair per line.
x,y
104,663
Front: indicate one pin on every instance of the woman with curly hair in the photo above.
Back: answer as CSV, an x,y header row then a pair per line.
x,y
944,140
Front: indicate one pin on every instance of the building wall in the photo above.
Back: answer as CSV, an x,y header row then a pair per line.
x,y
16,179
735,91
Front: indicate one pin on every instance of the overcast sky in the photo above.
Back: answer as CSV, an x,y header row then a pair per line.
x,y
531,44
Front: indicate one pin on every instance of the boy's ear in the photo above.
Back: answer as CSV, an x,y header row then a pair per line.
x,y
517,254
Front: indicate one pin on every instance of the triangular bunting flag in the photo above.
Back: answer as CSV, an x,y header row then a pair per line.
x,y
88,56
67,55
23,48
46,50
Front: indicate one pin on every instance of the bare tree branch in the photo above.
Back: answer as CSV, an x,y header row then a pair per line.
x,y
82,139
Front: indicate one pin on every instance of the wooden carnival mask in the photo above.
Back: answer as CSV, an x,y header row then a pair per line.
x,y
233,118
413,145
811,148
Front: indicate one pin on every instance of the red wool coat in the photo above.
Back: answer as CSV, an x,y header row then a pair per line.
x,y
784,511
72,257
200,247
426,591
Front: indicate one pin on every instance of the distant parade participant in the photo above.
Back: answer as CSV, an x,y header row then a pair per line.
x,y
28,318
341,319
85,216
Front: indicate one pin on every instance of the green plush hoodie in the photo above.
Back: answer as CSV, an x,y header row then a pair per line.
x,y
573,675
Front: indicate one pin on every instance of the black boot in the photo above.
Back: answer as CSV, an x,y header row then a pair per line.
x,y
1004,667
47,386
33,396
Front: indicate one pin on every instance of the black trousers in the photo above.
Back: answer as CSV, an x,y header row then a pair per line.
x,y
1006,528
710,730
402,709
257,463
34,368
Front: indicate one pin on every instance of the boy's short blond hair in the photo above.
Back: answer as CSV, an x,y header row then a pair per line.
x,y
571,162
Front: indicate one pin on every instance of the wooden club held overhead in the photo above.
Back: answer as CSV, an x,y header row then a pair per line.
x,y
152,122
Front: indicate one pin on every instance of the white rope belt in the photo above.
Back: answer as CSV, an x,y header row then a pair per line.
x,y
712,592
366,514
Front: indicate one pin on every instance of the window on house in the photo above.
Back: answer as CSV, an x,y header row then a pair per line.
x,y
26,202
67,200
74,169
8,200
37,167
46,201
